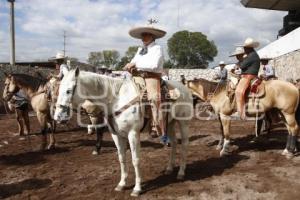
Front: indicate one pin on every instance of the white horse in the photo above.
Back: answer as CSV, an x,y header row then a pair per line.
x,y
124,112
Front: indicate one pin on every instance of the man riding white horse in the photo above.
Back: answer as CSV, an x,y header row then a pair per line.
x,y
150,59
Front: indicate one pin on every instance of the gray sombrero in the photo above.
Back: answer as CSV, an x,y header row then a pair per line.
x,y
138,31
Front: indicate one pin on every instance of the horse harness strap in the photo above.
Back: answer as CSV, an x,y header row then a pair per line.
x,y
122,109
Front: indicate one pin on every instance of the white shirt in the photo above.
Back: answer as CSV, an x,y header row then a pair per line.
x,y
152,61
63,70
268,70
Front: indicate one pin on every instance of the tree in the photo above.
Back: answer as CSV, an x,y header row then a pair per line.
x,y
109,58
95,58
191,50
129,54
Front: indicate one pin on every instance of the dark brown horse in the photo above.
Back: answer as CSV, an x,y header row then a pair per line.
x,y
35,88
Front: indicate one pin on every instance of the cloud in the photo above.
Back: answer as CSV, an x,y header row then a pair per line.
x,y
98,25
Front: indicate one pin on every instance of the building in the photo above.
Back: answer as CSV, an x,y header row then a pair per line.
x,y
290,22
285,51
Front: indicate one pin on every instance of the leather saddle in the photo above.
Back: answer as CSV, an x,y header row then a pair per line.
x,y
256,88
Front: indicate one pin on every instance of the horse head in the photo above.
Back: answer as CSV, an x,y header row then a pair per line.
x,y
66,92
10,87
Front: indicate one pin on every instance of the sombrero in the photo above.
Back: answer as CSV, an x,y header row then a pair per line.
x,y
138,31
264,57
59,56
237,51
250,42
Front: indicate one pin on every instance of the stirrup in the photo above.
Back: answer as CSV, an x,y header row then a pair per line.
x,y
165,139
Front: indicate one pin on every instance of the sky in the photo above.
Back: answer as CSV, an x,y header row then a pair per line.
x,y
96,25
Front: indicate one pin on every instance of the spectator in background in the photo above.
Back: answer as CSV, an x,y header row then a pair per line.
x,y
298,83
268,70
222,74
36,72
61,65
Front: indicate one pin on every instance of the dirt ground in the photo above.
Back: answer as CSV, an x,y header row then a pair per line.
x,y
254,171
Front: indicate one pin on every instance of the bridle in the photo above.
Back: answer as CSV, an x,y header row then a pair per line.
x,y
67,108
10,93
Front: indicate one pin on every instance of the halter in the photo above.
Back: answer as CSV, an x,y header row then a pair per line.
x,y
67,108
11,93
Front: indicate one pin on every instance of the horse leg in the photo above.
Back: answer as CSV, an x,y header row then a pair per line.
x,y
173,140
43,123
183,126
99,138
121,145
221,141
26,120
134,142
20,122
51,135
226,130
292,127
99,133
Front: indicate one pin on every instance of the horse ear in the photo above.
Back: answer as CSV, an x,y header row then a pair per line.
x,y
76,71
6,75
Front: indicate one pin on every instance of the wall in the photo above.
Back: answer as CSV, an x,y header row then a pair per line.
x,y
190,74
288,66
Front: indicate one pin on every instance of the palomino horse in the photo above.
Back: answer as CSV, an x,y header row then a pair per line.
x,y
95,118
120,101
278,94
34,88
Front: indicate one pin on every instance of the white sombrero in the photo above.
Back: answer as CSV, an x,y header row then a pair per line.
x,y
59,56
138,31
237,51
222,63
264,57
250,42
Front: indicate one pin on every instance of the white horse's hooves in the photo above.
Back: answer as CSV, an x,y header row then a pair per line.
x,y
51,146
224,153
219,147
285,152
180,177
119,188
95,153
135,193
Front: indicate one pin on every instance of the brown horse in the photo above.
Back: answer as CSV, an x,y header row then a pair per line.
x,y
278,94
35,88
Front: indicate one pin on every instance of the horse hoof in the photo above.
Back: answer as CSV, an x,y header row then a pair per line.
x,y
285,152
168,172
224,153
95,153
135,193
180,177
119,188
219,147
51,146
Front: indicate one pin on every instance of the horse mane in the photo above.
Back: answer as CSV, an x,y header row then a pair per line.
x,y
29,81
210,86
107,82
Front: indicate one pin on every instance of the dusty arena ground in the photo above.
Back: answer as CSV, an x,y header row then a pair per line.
x,y
254,171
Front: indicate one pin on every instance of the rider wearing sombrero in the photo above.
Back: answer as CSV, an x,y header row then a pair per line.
x,y
250,67
150,59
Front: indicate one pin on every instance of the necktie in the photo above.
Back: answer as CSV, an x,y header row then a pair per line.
x,y
144,50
